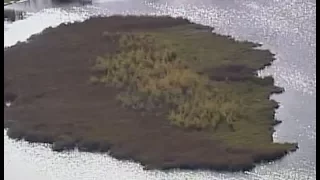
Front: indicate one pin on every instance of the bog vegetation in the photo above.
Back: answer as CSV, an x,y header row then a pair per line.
x,y
180,86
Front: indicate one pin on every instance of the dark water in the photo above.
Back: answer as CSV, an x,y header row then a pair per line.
x,y
286,27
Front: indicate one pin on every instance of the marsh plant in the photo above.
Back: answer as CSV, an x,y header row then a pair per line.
x,y
155,76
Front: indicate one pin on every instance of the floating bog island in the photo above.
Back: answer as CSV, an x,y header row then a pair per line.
x,y
161,91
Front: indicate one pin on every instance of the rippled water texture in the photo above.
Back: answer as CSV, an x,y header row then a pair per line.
x,y
287,27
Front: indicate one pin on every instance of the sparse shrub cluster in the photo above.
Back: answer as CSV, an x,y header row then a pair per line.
x,y
154,76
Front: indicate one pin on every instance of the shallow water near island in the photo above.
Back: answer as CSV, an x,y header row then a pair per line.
x,y
285,27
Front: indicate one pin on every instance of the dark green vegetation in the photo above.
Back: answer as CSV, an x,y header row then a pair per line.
x,y
164,92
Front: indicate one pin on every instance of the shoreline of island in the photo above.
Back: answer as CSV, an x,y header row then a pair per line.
x,y
76,100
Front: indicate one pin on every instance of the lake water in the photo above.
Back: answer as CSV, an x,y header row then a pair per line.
x,y
286,27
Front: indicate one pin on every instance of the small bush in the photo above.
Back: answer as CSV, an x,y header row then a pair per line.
x,y
88,145
16,132
35,136
94,80
63,143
